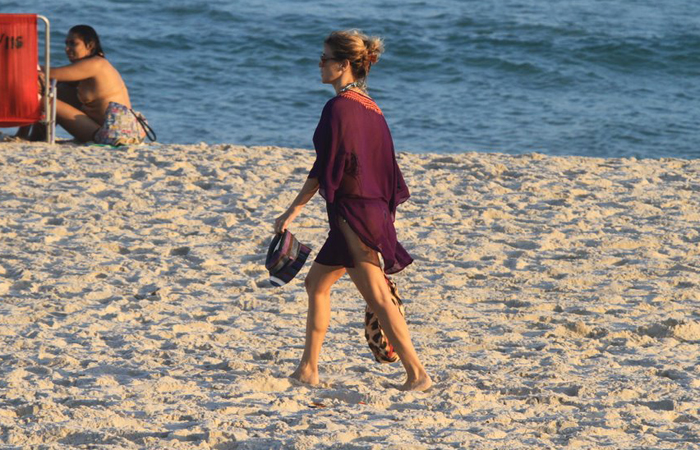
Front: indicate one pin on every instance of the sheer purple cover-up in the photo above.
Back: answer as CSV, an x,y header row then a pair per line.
x,y
359,179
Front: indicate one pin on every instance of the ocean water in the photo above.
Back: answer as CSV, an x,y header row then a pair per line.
x,y
612,78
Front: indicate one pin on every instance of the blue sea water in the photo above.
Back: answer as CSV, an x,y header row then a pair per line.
x,y
612,78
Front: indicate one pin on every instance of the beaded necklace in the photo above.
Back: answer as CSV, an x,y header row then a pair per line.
x,y
348,86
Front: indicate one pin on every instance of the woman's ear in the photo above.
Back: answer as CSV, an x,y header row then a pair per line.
x,y
90,46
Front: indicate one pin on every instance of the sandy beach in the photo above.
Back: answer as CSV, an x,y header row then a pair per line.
x,y
554,301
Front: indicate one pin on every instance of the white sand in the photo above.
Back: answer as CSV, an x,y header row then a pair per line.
x,y
553,300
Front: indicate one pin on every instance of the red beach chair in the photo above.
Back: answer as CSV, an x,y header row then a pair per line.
x,y
20,103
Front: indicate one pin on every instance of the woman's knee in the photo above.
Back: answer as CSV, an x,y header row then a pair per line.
x,y
76,122
321,278
371,283
314,286
309,284
381,301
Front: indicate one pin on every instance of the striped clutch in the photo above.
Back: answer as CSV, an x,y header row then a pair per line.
x,y
285,258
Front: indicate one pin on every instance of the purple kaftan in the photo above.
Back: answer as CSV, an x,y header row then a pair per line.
x,y
360,180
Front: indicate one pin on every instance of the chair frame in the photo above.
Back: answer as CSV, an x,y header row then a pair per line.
x,y
49,86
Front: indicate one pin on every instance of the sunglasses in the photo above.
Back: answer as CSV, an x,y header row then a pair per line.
x,y
325,58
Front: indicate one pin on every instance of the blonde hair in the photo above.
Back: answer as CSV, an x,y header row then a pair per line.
x,y
359,49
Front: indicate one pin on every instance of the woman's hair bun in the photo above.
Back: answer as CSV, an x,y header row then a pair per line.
x,y
375,47
361,50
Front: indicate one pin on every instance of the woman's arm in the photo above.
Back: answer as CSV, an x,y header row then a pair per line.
x,y
305,194
79,70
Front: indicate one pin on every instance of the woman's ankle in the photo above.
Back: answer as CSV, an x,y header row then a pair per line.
x,y
421,383
306,373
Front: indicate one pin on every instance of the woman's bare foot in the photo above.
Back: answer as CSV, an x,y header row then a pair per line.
x,y
305,374
420,384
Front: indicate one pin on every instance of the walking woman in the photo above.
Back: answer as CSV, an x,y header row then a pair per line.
x,y
357,174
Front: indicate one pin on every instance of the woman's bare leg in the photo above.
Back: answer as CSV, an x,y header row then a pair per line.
x,y
67,93
23,132
75,121
318,284
369,279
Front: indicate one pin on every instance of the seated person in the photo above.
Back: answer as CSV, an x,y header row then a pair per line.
x,y
85,88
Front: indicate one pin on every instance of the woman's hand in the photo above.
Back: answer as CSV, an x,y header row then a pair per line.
x,y
41,81
285,219
307,191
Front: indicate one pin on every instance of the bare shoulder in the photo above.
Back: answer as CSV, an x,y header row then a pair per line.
x,y
95,64
104,70
99,62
